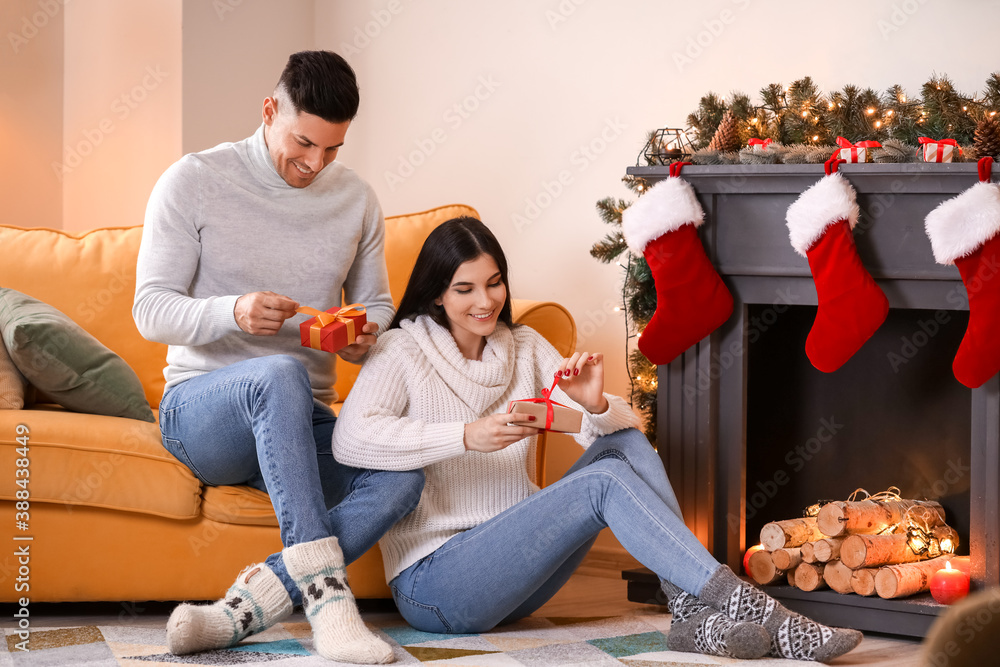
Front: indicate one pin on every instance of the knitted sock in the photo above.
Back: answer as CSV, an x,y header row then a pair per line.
x,y
254,603
697,628
317,568
792,635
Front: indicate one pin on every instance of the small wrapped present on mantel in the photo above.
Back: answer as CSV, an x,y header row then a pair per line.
x,y
549,415
938,150
758,145
334,329
854,152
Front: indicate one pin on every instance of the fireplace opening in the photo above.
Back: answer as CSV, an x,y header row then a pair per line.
x,y
893,415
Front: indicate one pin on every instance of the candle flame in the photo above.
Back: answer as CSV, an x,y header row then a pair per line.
x,y
947,565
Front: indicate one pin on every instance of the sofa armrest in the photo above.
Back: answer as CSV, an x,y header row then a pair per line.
x,y
550,319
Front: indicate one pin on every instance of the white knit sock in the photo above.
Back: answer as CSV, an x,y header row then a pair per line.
x,y
317,568
254,603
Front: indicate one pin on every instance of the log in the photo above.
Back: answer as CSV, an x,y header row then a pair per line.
x,y
867,517
827,549
791,578
863,580
807,554
874,550
897,581
789,533
786,559
762,568
838,576
809,577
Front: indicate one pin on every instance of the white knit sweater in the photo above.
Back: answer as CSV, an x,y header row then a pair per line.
x,y
409,407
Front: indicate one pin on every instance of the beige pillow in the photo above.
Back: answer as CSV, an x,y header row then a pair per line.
x,y
12,383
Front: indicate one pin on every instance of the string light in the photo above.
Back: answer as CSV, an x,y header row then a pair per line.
x,y
870,111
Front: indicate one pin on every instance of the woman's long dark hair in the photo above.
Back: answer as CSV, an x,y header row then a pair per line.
x,y
450,245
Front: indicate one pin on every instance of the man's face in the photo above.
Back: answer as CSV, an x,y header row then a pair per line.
x,y
300,143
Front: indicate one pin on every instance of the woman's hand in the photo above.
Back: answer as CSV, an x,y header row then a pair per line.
x,y
493,433
582,378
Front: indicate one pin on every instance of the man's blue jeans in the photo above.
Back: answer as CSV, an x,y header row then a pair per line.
x,y
256,423
507,567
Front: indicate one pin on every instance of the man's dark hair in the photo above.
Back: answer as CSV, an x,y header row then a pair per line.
x,y
320,83
450,245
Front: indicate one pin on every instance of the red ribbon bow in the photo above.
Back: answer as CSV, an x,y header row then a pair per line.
x,y
763,143
547,400
844,143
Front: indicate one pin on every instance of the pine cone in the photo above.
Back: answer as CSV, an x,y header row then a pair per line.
x,y
727,137
987,141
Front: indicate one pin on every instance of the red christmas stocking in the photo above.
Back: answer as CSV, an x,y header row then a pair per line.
x,y
851,305
963,231
691,299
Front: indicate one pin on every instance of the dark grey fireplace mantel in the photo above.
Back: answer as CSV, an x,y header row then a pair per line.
x,y
702,398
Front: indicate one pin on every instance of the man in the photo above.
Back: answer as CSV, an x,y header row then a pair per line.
x,y
235,239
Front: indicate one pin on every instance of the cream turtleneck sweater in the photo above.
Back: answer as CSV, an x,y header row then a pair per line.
x,y
409,407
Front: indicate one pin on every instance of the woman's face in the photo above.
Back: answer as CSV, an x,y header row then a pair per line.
x,y
472,303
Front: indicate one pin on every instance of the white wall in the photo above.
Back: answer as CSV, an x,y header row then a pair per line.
x,y
121,108
568,89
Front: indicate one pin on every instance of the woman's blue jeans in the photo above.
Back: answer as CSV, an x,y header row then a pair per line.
x,y
507,567
256,423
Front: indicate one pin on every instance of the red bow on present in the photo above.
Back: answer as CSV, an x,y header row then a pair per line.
x,y
944,142
844,143
547,400
763,143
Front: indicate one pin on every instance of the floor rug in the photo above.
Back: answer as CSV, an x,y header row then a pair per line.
x,y
637,640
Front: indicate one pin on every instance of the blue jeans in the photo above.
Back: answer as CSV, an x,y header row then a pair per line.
x,y
256,423
509,566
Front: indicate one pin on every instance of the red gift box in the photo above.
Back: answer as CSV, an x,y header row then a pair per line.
x,y
550,416
854,152
334,329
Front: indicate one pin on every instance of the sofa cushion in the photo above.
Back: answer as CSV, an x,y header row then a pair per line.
x,y
68,364
91,278
108,462
12,383
242,505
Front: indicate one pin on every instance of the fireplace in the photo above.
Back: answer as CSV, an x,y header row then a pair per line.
x,y
750,432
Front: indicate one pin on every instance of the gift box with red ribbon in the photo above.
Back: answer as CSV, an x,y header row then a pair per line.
x,y
854,152
549,415
938,150
334,329
758,145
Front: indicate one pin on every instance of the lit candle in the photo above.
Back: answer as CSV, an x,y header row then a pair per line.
x,y
746,556
949,585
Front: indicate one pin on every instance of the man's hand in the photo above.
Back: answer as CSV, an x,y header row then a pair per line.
x,y
263,313
359,347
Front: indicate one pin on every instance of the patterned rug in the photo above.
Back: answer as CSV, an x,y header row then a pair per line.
x,y
635,640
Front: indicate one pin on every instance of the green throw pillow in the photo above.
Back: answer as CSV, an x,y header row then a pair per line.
x,y
61,359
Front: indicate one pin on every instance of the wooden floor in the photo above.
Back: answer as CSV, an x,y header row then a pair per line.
x,y
587,595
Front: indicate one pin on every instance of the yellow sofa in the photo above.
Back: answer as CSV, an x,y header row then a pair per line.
x,y
113,516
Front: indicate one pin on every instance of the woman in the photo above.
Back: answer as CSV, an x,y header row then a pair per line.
x,y
484,545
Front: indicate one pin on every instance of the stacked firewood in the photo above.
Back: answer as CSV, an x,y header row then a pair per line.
x,y
889,547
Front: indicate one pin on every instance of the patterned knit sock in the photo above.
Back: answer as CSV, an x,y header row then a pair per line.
x,y
254,603
317,568
697,628
792,635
